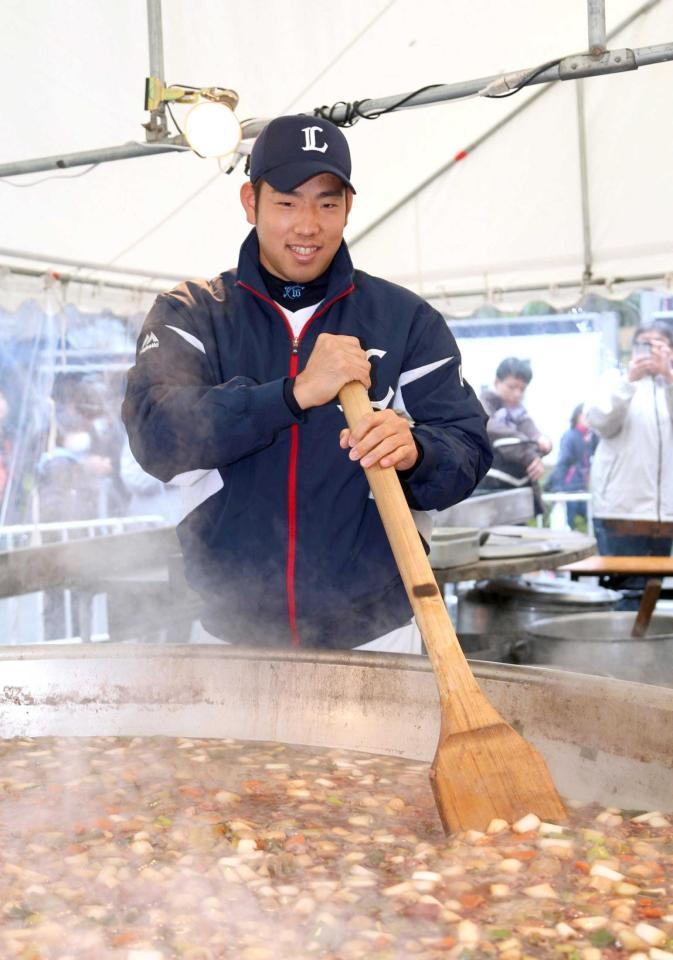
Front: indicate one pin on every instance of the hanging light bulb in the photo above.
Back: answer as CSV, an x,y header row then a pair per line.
x,y
211,127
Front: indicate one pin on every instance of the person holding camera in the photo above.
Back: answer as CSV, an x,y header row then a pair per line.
x,y
632,470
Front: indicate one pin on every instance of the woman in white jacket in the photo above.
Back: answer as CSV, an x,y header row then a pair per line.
x,y
632,470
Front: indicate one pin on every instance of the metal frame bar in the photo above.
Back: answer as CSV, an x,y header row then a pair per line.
x,y
569,68
579,65
547,285
74,278
157,128
64,161
87,561
584,181
156,41
85,264
596,16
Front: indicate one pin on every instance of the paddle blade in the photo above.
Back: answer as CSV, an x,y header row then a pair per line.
x,y
491,773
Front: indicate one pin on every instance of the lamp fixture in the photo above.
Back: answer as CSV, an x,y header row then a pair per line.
x,y
211,127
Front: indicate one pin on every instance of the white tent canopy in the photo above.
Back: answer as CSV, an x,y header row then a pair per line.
x,y
510,214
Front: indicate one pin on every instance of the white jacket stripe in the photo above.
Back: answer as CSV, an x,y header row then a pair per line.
x,y
189,337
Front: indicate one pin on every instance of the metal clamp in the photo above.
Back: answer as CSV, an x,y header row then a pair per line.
x,y
584,65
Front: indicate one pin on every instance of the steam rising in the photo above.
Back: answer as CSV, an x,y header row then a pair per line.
x,y
151,848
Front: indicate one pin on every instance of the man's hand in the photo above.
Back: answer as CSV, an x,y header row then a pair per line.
x,y
335,360
381,437
535,469
660,360
544,445
639,367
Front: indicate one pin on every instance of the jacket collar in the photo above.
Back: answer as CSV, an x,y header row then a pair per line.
x,y
340,276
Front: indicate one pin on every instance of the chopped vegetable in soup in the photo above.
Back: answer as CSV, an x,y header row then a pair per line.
x,y
157,848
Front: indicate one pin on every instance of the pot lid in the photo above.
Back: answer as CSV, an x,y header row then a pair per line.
x,y
550,589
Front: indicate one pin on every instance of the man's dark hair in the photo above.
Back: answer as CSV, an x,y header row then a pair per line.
x,y
575,415
513,367
658,326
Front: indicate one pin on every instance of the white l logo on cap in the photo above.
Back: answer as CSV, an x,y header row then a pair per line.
x,y
309,139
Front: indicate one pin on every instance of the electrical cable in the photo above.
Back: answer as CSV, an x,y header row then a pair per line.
x,y
175,122
528,79
354,110
59,176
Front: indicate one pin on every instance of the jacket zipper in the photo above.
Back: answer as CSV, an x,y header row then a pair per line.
x,y
294,455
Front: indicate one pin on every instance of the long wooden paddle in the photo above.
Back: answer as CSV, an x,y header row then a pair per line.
x,y
482,769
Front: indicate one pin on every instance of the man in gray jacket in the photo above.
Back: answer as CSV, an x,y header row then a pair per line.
x,y
632,470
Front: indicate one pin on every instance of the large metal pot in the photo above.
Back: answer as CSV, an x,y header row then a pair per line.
x,y
604,740
601,643
507,606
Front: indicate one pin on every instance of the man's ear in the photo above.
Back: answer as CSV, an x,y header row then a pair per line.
x,y
349,203
248,201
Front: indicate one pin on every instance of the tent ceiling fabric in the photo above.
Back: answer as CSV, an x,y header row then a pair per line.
x,y
510,213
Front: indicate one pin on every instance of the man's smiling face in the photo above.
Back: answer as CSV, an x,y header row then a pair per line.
x,y
299,232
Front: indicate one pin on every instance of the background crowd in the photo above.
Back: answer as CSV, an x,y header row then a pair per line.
x,y
67,459
619,446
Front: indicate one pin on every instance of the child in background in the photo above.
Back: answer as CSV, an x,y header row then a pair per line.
x,y
571,473
517,443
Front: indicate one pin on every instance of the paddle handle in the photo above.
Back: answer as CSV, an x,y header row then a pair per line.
x,y
646,608
448,660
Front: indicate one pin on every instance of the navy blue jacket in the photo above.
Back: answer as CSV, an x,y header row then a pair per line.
x,y
571,472
288,546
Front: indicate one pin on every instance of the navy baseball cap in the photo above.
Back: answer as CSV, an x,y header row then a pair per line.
x,y
291,150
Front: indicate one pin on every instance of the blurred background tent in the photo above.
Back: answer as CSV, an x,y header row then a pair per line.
x,y
509,214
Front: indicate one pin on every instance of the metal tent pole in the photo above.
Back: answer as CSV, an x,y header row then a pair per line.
x,y
75,278
596,13
584,181
548,285
569,68
86,265
83,158
157,128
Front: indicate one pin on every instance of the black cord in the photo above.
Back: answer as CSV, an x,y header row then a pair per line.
x,y
57,176
354,111
177,125
529,79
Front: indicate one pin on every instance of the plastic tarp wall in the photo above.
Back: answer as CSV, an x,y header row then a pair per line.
x,y
74,76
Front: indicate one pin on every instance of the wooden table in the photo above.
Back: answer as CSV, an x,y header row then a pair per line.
x,y
655,568
573,547
598,566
